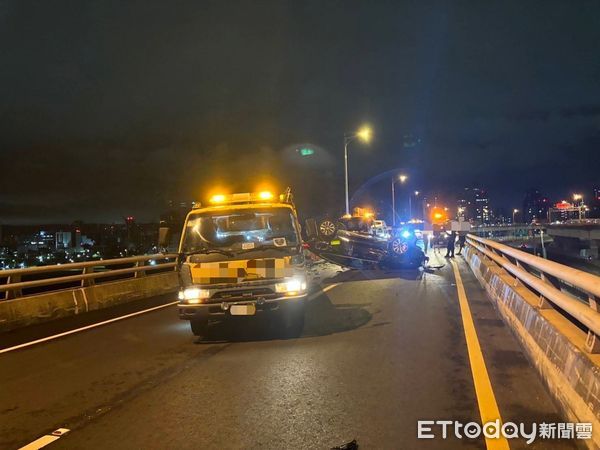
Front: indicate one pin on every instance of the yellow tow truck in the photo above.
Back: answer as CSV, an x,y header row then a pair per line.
x,y
242,256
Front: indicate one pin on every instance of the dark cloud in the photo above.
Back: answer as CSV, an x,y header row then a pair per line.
x,y
112,108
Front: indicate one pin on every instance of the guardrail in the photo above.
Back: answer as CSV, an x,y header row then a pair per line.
x,y
569,290
58,277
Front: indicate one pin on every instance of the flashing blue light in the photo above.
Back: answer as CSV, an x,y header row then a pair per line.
x,y
406,234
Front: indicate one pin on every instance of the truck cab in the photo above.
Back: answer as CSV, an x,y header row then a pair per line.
x,y
242,256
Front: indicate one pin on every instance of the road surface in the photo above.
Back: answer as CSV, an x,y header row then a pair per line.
x,y
380,351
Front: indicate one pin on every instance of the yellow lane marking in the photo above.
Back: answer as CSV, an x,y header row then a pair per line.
x,y
488,408
45,440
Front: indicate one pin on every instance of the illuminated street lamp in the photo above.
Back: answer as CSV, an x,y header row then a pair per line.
x,y
410,203
402,179
364,134
515,211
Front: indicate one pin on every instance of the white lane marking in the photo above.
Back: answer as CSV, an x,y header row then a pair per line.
x,y
77,330
45,440
322,291
94,325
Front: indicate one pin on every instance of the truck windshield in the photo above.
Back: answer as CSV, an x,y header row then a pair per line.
x,y
239,229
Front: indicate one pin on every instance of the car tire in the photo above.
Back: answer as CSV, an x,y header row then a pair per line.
x,y
327,229
199,327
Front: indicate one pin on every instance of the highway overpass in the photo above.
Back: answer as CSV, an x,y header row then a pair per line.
x,y
493,334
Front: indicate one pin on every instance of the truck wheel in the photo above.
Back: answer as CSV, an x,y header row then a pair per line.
x,y
199,327
327,229
294,324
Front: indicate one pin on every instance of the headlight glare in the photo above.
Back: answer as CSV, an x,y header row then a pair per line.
x,y
194,295
291,287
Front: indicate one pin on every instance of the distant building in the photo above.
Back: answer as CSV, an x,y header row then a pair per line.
x,y
474,205
482,206
594,206
63,240
535,206
501,217
462,209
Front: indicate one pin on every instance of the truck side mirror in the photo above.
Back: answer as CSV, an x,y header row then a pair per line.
x,y
164,237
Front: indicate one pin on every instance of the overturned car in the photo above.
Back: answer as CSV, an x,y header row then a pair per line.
x,y
357,242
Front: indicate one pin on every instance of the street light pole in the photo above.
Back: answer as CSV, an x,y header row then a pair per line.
x,y
346,172
363,134
514,212
410,204
393,204
402,179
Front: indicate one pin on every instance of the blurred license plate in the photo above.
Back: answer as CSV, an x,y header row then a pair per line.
x,y
242,310
335,242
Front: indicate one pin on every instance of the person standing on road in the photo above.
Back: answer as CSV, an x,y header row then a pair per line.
x,y
462,239
450,246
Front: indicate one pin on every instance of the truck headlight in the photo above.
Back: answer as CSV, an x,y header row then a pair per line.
x,y
292,286
194,295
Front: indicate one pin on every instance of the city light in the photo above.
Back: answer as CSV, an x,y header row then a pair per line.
x,y
403,178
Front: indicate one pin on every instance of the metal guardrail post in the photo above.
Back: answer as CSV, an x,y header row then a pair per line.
x,y
592,341
142,271
85,282
13,293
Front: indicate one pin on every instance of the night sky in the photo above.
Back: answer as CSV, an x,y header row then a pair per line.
x,y
111,109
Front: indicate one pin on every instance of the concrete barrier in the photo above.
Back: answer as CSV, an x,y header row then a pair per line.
x,y
39,308
554,345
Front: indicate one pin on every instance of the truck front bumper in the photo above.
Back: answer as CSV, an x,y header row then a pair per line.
x,y
221,310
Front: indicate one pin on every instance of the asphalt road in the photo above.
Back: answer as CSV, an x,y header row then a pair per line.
x,y
380,351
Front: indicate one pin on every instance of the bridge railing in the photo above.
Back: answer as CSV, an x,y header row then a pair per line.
x,y
15,283
568,290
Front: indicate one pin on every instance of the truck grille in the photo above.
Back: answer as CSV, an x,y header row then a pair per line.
x,y
243,294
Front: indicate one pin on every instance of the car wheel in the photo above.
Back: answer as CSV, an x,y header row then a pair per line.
x,y
327,229
199,327
398,247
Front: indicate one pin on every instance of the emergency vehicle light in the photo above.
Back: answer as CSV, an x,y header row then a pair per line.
x,y
245,197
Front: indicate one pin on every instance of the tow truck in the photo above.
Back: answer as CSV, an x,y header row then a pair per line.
x,y
242,256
